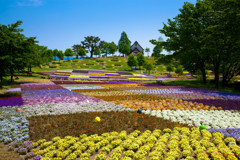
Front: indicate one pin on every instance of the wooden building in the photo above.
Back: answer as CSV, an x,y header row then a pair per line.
x,y
135,48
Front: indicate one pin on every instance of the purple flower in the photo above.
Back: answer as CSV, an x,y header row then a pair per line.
x,y
29,155
37,157
11,102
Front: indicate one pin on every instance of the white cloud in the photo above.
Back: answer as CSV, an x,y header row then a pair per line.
x,y
34,3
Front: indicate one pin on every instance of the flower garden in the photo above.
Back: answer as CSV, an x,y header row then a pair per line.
x,y
92,115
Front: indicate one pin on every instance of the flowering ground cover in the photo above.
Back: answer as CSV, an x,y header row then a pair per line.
x,y
84,74
49,126
98,120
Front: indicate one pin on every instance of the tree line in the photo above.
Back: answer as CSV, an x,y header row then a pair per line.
x,y
205,36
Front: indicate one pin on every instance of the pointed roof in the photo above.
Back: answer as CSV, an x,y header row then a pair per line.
x,y
136,43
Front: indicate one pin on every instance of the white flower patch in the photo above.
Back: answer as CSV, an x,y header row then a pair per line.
x,y
67,108
211,119
13,125
14,90
81,86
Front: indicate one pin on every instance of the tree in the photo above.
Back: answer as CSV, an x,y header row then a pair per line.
x,y
179,70
124,44
60,55
109,48
97,52
148,66
11,48
185,38
76,48
147,50
131,61
68,52
140,59
158,47
82,52
30,53
55,52
112,48
92,43
170,68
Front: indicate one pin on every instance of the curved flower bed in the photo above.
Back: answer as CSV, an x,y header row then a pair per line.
x,y
67,99
227,132
169,144
68,108
11,102
49,93
13,125
211,119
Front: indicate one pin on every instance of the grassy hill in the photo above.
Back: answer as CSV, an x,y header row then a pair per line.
x,y
103,63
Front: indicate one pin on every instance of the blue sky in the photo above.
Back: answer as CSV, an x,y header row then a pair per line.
x,y
63,23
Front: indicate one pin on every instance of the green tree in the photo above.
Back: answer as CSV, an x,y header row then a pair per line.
x,y
82,52
147,50
76,48
97,52
112,48
92,43
131,61
55,52
60,55
109,48
68,52
140,59
185,37
30,53
148,66
124,44
170,68
158,47
11,48
179,70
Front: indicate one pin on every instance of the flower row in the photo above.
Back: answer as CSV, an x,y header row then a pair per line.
x,y
13,125
178,143
211,119
68,108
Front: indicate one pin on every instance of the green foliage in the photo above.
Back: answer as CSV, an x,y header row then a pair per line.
x,y
68,52
55,53
179,70
92,43
131,60
97,52
206,36
147,50
109,48
124,44
140,59
158,47
60,55
81,52
148,66
170,68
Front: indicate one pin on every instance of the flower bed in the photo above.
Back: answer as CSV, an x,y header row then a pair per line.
x,y
50,126
13,125
11,102
87,105
211,119
178,143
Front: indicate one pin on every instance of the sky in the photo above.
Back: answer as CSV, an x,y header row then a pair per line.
x,y
59,24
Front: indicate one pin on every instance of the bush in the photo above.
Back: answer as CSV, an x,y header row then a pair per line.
x,y
52,66
99,60
56,63
74,60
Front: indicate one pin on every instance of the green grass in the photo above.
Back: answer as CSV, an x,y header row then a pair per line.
x,y
199,84
103,63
